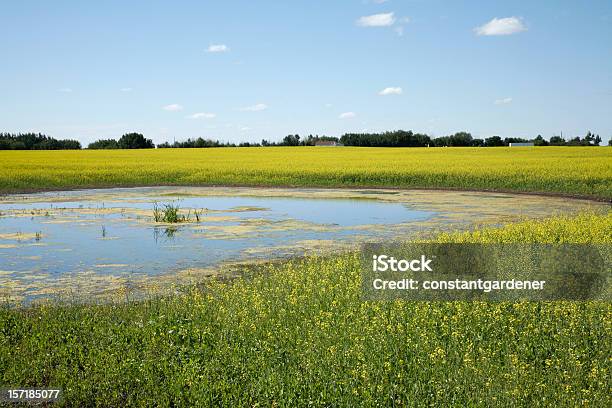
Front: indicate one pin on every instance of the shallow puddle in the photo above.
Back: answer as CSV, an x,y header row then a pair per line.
x,y
92,243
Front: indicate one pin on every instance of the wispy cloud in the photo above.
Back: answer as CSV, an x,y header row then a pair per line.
x,y
202,115
255,108
502,101
126,89
392,90
401,23
217,48
376,20
174,107
501,26
347,115
65,90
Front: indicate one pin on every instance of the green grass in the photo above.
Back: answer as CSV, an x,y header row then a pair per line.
x,y
298,334
585,171
168,213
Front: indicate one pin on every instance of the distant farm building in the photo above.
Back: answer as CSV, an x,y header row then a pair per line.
x,y
521,144
327,143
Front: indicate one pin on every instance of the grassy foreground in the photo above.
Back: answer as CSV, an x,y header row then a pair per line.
x,y
299,334
569,170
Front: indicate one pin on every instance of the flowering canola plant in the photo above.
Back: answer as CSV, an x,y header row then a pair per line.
x,y
299,333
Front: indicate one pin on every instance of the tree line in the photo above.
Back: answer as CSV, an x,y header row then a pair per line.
x,y
289,140
403,138
35,141
127,141
397,138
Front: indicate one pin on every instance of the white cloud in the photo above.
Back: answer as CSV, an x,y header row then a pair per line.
x,y
245,129
255,108
501,26
126,89
328,105
502,101
399,30
65,90
392,90
347,115
376,20
379,1
217,48
174,107
202,115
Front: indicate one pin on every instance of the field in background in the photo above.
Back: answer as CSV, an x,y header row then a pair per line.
x,y
299,334
584,171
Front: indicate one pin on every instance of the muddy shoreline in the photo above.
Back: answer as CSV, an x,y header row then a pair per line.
x,y
364,187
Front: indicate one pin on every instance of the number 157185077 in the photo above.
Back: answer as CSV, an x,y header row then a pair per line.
x,y
30,394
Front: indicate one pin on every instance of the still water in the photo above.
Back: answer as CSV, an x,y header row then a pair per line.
x,y
95,241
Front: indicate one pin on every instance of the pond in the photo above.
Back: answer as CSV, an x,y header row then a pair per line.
x,y
92,243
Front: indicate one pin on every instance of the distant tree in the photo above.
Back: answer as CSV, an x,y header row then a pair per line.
x,y
35,141
592,139
509,140
494,141
478,143
540,141
195,143
135,141
576,142
104,144
311,140
396,138
597,140
442,141
610,142
200,143
557,141
291,140
460,139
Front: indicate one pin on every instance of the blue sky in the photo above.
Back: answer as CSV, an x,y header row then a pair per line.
x,y
247,70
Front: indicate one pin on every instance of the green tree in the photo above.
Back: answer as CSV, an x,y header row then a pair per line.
x,y
540,141
557,141
461,139
104,144
494,141
135,141
291,140
597,140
